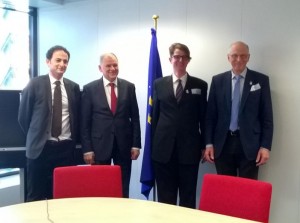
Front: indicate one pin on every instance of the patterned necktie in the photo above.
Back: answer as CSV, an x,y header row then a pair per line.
x,y
57,111
113,98
179,91
235,104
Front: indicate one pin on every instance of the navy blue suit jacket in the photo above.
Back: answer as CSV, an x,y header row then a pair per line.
x,y
99,126
255,114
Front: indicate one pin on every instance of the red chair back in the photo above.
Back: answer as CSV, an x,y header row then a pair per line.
x,y
236,196
87,181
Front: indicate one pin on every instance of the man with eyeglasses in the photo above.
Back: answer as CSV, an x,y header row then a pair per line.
x,y
179,106
239,123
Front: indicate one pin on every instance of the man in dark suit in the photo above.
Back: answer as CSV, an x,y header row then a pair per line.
x,y
239,124
45,149
110,127
179,106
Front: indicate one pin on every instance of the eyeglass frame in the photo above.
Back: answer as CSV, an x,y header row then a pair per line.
x,y
182,57
241,56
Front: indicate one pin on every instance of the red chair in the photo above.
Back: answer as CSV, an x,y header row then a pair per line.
x,y
236,196
87,181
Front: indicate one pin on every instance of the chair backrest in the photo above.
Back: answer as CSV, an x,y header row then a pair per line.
x,y
87,181
236,196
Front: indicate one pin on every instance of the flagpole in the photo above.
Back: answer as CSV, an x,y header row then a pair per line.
x,y
155,18
147,177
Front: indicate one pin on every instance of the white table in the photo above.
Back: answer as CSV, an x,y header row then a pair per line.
x,y
107,210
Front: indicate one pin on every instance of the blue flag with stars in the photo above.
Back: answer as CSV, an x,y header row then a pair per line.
x,y
154,72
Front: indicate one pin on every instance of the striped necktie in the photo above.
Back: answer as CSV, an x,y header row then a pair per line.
x,y
179,91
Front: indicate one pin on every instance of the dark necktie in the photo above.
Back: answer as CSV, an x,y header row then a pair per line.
x,y
235,104
179,91
57,111
113,98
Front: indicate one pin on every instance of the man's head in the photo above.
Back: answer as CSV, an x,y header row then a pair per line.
x,y
179,58
109,66
57,59
238,56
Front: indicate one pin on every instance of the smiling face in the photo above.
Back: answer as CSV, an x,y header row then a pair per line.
x,y
179,60
109,66
238,57
58,63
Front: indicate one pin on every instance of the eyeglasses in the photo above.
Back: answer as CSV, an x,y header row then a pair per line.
x,y
236,56
182,57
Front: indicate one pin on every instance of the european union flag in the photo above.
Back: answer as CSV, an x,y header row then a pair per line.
x,y
154,72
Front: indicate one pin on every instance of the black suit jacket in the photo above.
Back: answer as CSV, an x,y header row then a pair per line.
x,y
255,113
100,125
35,112
179,124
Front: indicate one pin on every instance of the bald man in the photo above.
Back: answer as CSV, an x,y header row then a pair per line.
x,y
110,127
239,131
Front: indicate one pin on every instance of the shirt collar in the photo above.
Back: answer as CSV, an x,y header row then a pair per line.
x,y
243,74
52,80
183,78
107,82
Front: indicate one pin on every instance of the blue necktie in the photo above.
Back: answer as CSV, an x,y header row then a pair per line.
x,y
235,104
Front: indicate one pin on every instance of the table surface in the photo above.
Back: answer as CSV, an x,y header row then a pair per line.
x,y
108,210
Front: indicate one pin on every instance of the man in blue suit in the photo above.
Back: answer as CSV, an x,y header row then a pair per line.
x,y
239,144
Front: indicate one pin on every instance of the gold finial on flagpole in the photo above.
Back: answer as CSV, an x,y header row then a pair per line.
x,y
155,18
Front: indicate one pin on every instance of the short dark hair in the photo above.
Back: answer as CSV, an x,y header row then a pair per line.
x,y
50,52
179,46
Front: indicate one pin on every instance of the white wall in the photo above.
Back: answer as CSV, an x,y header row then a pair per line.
x,y
270,27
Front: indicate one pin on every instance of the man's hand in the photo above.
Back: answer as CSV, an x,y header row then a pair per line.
x,y
263,156
89,158
135,154
209,154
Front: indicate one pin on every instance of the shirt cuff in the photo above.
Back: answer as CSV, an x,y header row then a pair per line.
x,y
135,148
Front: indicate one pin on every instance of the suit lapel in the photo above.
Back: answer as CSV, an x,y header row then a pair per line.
x,y
102,94
121,92
228,90
169,88
69,94
187,86
247,85
48,92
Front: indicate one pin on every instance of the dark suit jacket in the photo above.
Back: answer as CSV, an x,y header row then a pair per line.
x,y
35,112
178,124
100,125
255,114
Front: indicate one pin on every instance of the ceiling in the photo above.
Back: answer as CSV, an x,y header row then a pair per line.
x,y
46,3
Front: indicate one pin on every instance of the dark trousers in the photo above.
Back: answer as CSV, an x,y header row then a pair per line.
x,y
173,178
40,170
233,161
125,165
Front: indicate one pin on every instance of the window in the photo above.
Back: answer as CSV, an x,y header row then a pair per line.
x,y
18,44
18,63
